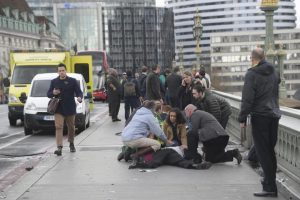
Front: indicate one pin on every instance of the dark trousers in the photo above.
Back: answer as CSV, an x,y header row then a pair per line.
x,y
174,101
214,150
169,157
131,103
115,107
264,131
224,121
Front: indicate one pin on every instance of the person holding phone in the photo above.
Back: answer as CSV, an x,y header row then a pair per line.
x,y
64,87
185,92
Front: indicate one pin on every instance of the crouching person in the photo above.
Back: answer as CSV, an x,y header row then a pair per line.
x,y
135,134
206,129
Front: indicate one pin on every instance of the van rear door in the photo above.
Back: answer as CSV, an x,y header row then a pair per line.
x,y
83,65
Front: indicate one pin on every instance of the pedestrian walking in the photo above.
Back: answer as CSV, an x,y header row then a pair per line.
x,y
260,100
64,88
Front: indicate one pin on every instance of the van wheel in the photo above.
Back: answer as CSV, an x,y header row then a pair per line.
x,y
12,121
27,131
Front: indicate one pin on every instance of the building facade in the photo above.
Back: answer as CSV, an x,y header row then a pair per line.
x,y
20,29
230,58
140,36
222,16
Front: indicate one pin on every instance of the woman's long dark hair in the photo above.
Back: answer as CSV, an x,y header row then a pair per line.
x,y
180,119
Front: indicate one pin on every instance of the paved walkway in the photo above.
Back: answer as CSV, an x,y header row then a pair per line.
x,y
93,173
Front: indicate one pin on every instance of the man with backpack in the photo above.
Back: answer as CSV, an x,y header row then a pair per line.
x,y
131,94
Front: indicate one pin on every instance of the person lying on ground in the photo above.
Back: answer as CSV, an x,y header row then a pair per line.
x,y
167,156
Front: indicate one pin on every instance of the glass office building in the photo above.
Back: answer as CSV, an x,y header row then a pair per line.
x,y
230,58
140,36
222,16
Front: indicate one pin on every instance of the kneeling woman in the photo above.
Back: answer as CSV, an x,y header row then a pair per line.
x,y
174,128
135,134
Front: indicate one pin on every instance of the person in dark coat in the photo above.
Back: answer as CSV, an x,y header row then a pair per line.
x,y
217,106
114,94
185,95
173,84
131,101
142,82
206,129
153,86
64,88
260,99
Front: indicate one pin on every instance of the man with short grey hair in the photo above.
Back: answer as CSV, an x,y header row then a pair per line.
x,y
260,100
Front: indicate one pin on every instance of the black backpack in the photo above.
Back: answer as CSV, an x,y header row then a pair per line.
x,y
129,89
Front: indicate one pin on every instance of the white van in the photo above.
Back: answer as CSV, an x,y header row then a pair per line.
x,y
36,116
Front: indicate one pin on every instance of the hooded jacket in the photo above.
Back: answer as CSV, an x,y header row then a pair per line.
x,y
260,92
142,123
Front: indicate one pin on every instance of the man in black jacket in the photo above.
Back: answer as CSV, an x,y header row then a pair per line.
x,y
153,86
173,84
205,128
217,106
65,87
260,99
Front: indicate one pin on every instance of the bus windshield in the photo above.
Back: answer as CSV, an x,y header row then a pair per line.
x,y
97,57
25,74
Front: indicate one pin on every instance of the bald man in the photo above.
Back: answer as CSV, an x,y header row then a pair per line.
x,y
260,100
208,130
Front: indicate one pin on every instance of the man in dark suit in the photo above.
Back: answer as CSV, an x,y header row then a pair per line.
x,y
260,99
208,130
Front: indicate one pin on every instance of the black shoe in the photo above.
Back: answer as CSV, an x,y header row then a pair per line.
x,y
265,194
72,147
203,165
116,120
58,151
237,156
121,156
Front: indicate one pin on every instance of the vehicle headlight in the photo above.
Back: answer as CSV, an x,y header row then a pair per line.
x,y
13,99
30,106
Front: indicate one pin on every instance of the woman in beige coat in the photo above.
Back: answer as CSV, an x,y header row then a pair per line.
x,y
174,128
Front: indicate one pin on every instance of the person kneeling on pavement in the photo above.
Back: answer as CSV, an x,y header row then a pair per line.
x,y
168,156
135,134
209,131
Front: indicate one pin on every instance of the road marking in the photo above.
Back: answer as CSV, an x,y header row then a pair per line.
x,y
10,135
14,142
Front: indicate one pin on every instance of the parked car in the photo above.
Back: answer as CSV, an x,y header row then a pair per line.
x,y
36,116
100,95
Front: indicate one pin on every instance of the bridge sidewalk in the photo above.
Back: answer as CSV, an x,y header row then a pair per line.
x,y
93,172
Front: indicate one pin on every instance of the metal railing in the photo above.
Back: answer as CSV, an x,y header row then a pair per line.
x,y
288,144
12,24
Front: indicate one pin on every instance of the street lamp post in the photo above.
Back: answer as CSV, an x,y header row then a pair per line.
x,y
197,33
281,56
180,55
269,6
